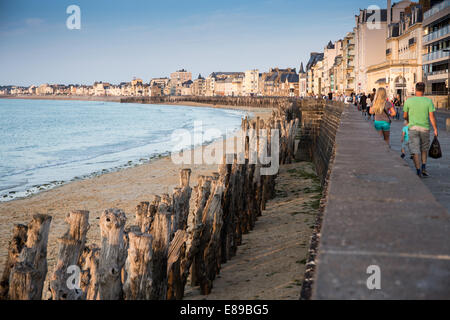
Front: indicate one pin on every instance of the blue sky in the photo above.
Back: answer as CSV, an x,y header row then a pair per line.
x,y
144,38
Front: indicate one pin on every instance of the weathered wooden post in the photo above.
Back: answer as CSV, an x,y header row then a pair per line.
x,y
71,246
148,218
27,277
177,250
89,265
181,197
213,221
162,233
112,254
139,264
195,221
15,247
142,214
225,238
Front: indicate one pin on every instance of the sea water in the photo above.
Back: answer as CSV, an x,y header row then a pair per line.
x,y
45,143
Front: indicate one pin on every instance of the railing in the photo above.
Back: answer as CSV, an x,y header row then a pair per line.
x,y
436,72
437,34
435,9
435,55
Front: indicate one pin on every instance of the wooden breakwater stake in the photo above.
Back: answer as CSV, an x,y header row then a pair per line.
x,y
113,254
27,276
71,246
138,267
15,247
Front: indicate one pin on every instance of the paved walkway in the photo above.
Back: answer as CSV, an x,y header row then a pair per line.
x,y
379,213
439,170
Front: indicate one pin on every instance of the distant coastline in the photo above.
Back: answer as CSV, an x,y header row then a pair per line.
x,y
118,99
52,97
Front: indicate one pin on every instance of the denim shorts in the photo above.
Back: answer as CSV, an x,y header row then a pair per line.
x,y
382,126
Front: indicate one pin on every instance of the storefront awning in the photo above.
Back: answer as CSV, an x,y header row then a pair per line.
x,y
382,80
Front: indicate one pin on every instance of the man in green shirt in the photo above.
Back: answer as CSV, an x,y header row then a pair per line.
x,y
419,111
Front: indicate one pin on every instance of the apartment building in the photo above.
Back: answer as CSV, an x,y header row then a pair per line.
x,y
225,84
402,67
315,57
279,82
199,86
302,82
251,83
348,60
370,43
436,45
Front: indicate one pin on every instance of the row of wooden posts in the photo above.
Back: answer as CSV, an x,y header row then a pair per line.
x,y
170,243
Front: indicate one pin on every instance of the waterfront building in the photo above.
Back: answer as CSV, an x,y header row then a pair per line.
x,y
329,54
251,83
402,68
302,83
137,87
315,57
318,75
199,86
176,81
180,77
224,83
436,44
279,82
44,89
370,44
161,82
156,90
339,75
186,88
348,60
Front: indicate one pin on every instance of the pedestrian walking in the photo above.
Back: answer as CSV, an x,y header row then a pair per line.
x,y
397,105
369,105
363,102
383,111
405,138
419,111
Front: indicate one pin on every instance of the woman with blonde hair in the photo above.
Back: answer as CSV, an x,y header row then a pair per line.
x,y
383,111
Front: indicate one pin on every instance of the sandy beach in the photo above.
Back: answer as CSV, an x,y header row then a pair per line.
x,y
123,189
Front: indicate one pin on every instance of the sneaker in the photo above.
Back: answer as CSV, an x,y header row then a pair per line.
x,y
425,174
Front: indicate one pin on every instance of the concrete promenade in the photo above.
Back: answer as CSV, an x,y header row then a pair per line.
x,y
379,213
439,170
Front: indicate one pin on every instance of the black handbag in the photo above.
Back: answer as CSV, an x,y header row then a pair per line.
x,y
435,149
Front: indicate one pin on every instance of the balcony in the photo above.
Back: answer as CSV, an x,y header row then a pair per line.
x,y
436,34
437,75
437,55
436,9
